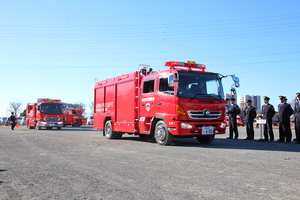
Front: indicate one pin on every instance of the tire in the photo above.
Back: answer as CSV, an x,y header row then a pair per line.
x,y
109,133
205,139
161,134
58,128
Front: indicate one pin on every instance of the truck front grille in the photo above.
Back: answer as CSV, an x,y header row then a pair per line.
x,y
205,114
51,118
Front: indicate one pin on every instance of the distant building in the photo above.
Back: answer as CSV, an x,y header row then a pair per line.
x,y
256,101
228,96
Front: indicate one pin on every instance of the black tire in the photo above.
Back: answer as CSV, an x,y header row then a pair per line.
x,y
58,128
108,130
205,139
161,134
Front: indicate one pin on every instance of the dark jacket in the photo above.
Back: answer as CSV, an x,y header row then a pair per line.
x,y
297,112
12,118
284,112
250,114
233,111
268,112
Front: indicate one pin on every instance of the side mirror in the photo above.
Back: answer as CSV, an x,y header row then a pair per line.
x,y
38,107
236,80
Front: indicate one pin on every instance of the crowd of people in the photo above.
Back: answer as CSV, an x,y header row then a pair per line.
x,y
284,114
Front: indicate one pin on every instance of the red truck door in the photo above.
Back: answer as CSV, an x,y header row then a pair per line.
x,y
147,105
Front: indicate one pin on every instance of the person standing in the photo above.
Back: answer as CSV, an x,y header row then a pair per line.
x,y
13,121
297,118
284,112
268,113
233,111
250,114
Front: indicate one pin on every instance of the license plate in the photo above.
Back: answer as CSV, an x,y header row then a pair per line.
x,y
52,124
207,130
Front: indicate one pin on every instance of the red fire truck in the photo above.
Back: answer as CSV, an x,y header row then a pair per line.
x,y
182,101
73,114
46,113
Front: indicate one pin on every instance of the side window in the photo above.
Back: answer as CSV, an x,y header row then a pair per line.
x,y
148,86
164,86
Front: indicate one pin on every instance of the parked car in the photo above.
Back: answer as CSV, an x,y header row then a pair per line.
x,y
1,121
90,120
21,121
4,121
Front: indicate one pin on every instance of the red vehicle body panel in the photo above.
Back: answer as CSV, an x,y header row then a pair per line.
x,y
123,101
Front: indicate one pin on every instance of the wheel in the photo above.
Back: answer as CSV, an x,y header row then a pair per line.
x,y
108,130
205,139
58,128
161,134
77,123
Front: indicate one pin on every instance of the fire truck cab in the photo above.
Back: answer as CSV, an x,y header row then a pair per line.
x,y
182,101
46,113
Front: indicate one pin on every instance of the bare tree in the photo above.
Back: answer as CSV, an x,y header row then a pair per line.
x,y
292,103
15,107
92,107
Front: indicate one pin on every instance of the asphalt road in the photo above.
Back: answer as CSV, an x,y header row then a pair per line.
x,y
79,163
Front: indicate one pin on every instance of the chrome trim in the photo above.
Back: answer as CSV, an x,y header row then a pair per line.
x,y
205,114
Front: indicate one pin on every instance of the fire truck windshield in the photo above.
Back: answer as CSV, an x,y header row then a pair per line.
x,y
50,108
199,86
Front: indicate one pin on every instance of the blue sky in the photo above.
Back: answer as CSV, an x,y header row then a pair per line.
x,y
56,49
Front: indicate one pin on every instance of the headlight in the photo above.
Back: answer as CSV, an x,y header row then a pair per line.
x,y
186,126
59,123
43,123
223,125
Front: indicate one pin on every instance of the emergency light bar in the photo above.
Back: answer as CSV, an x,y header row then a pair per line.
x,y
48,99
187,64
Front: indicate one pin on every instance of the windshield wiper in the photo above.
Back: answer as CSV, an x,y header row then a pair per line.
x,y
213,97
216,98
197,95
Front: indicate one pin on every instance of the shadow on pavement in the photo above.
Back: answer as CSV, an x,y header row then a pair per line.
x,y
2,170
222,143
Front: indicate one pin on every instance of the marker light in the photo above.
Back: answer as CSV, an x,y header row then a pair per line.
x,y
179,110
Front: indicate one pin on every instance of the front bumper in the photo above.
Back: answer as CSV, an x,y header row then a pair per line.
x,y
50,124
192,128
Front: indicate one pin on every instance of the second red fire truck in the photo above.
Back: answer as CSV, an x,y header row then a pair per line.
x,y
73,114
182,101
